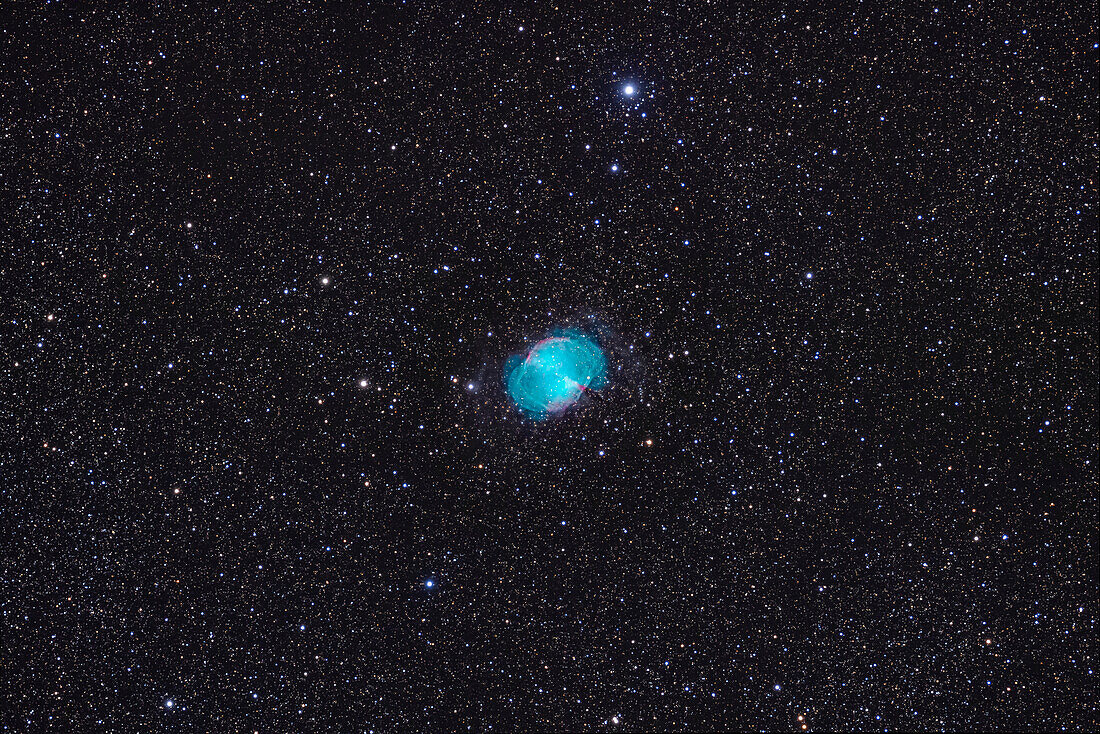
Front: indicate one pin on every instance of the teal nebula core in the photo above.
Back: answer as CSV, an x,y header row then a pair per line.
x,y
554,374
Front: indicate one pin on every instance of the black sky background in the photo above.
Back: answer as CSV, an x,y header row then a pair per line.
x,y
262,269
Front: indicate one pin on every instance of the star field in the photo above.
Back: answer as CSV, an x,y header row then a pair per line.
x,y
263,269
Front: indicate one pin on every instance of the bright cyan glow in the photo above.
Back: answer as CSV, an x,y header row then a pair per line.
x,y
554,374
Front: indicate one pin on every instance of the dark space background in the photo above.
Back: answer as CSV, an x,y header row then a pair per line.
x,y
262,267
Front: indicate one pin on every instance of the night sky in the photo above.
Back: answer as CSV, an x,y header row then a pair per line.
x,y
261,274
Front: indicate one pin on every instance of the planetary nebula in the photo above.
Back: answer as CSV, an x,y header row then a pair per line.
x,y
554,374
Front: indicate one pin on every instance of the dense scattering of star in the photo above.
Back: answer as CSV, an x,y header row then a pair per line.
x,y
263,266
